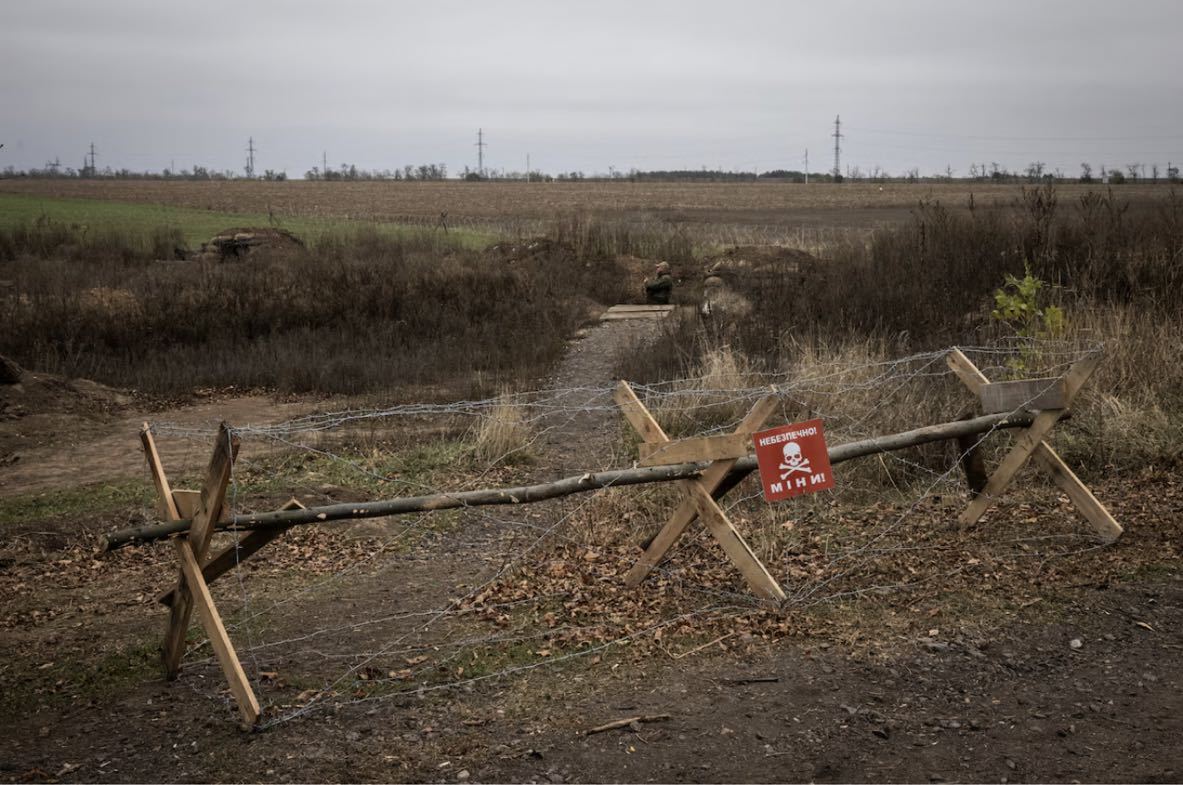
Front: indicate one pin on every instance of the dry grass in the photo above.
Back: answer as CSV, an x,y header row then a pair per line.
x,y
503,435
353,313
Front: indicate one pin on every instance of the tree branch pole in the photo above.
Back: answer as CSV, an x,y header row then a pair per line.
x,y
591,481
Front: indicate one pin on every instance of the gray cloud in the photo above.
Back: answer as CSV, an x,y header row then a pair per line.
x,y
592,85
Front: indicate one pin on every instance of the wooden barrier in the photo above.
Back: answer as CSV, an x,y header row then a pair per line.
x,y
1058,393
195,572
706,467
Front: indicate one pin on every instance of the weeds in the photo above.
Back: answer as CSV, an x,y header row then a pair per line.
x,y
357,312
503,435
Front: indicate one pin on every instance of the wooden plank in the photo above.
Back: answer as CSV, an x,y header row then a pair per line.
x,y
209,508
187,501
711,479
236,553
700,448
1082,498
756,574
1029,394
248,705
616,317
966,371
637,415
213,491
1027,443
164,495
647,307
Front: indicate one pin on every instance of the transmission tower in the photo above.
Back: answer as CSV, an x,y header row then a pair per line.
x,y
250,158
480,151
807,166
91,167
837,147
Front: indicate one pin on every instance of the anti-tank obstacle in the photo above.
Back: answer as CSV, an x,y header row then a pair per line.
x,y
708,468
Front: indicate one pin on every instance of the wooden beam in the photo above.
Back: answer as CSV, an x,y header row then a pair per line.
x,y
1082,498
213,491
248,705
637,415
966,371
187,501
164,495
236,553
701,448
756,574
209,509
1029,394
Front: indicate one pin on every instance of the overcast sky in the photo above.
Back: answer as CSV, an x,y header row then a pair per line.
x,y
584,86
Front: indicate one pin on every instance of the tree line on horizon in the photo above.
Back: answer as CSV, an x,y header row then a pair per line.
x,y
1035,172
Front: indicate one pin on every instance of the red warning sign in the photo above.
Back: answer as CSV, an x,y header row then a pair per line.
x,y
793,460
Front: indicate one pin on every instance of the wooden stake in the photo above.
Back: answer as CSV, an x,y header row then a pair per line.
x,y
213,494
248,705
165,503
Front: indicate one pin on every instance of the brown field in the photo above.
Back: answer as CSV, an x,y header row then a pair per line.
x,y
853,205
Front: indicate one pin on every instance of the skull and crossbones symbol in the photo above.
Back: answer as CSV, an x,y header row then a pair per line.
x,y
794,461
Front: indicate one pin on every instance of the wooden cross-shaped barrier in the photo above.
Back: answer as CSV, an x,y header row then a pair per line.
x,y
699,500
1051,398
196,572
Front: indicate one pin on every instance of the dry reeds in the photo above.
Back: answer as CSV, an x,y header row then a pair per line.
x,y
502,435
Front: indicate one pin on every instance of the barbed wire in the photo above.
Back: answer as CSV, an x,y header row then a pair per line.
x,y
819,388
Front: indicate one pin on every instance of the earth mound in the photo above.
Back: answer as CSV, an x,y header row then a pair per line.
x,y
240,242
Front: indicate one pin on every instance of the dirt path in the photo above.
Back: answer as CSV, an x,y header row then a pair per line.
x,y
110,452
581,438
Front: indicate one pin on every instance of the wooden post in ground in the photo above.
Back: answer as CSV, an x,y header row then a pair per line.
x,y
1030,443
698,501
